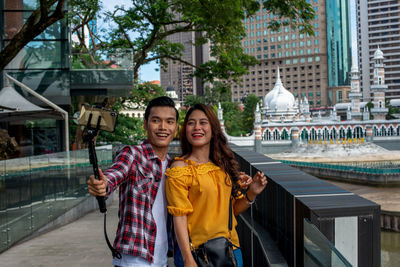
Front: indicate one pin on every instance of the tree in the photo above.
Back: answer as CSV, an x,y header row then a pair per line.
x,y
144,26
44,16
233,118
248,113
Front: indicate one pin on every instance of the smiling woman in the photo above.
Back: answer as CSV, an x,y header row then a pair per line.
x,y
203,187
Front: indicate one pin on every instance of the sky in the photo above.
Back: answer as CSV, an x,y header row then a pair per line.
x,y
149,73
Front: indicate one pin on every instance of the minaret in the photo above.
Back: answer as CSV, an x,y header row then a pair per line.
x,y
378,87
257,129
355,94
220,116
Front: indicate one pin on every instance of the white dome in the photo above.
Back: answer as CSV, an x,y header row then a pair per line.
x,y
279,98
378,54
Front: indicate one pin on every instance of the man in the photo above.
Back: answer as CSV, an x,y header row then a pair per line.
x,y
138,171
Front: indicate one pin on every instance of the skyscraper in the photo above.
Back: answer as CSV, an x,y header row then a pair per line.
x,y
316,67
378,25
179,75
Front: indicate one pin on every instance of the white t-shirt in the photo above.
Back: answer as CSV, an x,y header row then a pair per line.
x,y
159,211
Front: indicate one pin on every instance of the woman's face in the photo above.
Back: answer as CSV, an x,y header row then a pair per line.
x,y
198,129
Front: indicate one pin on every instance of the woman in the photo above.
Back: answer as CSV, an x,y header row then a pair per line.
x,y
200,183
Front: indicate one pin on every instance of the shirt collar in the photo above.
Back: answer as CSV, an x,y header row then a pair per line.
x,y
149,151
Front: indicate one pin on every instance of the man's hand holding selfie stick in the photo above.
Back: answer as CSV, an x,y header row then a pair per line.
x,y
97,187
95,119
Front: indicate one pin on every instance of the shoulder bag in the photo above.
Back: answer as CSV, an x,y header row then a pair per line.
x,y
216,252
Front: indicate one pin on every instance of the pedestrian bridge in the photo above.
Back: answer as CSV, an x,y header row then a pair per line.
x,y
298,220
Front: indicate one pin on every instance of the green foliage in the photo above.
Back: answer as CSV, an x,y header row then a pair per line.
x,y
192,100
248,113
391,111
144,25
370,105
233,119
141,96
128,131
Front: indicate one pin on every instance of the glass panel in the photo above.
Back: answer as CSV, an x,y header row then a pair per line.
x,y
44,82
39,187
23,4
36,190
41,55
18,198
318,251
15,20
3,207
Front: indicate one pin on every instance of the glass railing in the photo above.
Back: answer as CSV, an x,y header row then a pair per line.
x,y
318,251
367,167
36,190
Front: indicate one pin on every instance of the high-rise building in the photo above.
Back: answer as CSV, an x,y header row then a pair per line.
x,y
178,75
315,67
378,26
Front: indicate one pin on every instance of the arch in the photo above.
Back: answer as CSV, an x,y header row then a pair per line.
x,y
325,134
349,133
276,135
304,134
342,133
334,133
313,134
358,132
383,130
376,130
267,135
284,134
391,131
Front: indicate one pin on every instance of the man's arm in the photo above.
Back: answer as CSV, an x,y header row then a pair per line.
x,y
117,174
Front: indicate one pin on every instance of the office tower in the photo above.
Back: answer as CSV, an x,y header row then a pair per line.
x,y
378,26
178,75
315,67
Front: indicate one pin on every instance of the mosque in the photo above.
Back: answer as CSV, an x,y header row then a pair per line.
x,y
283,117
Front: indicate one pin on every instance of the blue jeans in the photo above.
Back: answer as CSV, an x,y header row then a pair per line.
x,y
238,255
179,261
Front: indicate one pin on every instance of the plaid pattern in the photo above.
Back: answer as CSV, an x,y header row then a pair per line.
x,y
137,172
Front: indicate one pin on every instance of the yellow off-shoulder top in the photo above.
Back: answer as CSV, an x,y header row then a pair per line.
x,y
200,192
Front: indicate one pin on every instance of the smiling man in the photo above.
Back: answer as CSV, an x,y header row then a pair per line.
x,y
138,172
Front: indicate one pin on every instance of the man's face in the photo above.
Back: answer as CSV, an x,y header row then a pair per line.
x,y
161,126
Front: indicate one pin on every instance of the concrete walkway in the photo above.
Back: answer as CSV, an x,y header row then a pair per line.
x,y
78,244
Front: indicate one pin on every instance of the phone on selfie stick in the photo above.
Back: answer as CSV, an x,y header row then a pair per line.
x,y
96,118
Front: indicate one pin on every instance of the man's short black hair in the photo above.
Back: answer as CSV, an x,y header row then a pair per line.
x,y
162,101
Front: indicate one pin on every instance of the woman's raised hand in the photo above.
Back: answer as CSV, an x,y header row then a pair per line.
x,y
258,184
245,180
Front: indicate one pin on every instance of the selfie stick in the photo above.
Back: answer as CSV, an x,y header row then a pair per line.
x,y
88,137
91,134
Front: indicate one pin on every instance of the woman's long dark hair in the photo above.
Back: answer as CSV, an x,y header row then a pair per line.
x,y
220,153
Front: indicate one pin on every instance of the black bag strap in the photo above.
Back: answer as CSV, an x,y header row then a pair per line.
x,y
230,215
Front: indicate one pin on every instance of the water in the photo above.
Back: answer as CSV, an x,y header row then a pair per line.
x,y
390,249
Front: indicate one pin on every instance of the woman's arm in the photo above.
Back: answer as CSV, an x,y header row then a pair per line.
x,y
257,185
182,236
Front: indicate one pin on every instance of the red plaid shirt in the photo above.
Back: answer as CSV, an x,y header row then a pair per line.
x,y
137,172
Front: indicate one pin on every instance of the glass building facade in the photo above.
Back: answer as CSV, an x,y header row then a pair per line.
x,y
338,33
43,65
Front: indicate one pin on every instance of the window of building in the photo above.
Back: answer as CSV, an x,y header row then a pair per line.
x,y
301,44
287,61
302,60
295,61
317,59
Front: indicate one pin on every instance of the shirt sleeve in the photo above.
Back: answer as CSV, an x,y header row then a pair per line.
x,y
177,191
118,172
